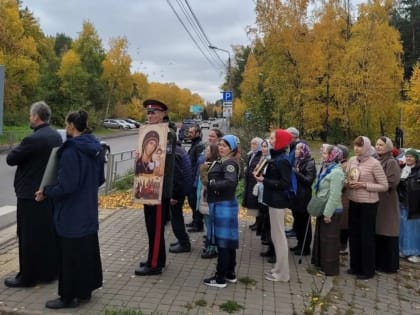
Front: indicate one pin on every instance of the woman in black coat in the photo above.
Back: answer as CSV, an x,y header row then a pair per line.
x,y
305,170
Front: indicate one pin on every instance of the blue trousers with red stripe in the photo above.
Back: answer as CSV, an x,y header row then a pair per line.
x,y
155,217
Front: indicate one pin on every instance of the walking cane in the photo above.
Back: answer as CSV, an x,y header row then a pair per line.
x,y
304,240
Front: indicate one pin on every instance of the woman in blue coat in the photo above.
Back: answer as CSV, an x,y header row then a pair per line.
x,y
223,178
75,195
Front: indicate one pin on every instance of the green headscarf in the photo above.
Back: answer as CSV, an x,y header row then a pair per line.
x,y
413,153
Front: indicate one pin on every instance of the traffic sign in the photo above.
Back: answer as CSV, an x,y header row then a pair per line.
x,y
227,96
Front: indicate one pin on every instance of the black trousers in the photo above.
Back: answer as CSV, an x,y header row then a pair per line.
x,y
300,223
387,253
38,256
362,232
226,261
178,224
80,267
197,217
155,217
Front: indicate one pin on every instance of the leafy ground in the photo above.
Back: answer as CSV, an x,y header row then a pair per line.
x,y
124,200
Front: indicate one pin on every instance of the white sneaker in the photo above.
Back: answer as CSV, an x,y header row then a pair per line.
x,y
272,277
414,259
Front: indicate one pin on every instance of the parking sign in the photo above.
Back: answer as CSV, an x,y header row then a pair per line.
x,y
227,96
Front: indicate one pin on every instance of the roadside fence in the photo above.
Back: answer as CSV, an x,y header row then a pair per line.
x,y
119,165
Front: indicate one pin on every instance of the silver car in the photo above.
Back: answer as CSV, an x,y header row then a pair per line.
x,y
116,124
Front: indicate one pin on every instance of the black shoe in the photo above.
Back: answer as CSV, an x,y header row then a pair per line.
x,y
268,253
195,229
352,271
231,277
60,303
16,282
265,242
251,226
147,271
364,277
178,248
208,254
290,234
190,224
85,298
215,282
143,263
294,248
272,260
174,243
305,252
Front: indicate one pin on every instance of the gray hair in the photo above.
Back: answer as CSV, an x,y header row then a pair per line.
x,y
42,110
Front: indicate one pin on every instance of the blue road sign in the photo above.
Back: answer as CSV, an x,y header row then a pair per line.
x,y
227,96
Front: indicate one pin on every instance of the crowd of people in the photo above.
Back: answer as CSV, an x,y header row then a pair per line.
x,y
366,206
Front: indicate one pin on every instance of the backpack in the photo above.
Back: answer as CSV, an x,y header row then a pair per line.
x,y
291,191
183,175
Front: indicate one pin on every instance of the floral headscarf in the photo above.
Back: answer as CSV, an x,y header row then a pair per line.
x,y
334,154
305,153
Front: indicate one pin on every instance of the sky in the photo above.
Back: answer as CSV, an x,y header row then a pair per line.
x,y
159,45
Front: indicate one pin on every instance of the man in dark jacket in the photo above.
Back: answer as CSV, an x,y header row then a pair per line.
x,y
197,148
183,178
155,215
35,227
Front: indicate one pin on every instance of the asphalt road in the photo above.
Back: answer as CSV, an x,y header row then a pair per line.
x,y
122,143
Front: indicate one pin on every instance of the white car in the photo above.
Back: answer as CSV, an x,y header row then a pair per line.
x,y
126,123
205,124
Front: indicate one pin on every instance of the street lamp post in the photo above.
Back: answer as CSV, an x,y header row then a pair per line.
x,y
228,78
229,64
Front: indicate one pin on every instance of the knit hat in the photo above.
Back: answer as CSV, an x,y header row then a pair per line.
x,y
151,135
283,139
231,140
293,131
413,153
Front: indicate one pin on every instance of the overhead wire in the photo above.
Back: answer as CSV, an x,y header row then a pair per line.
x,y
208,43
199,32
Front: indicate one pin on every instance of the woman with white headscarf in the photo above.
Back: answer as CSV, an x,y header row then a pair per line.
x,y
387,218
365,179
250,201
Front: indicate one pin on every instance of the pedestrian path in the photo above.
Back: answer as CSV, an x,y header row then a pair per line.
x,y
180,289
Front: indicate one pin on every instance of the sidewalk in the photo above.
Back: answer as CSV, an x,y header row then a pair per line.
x,y
180,289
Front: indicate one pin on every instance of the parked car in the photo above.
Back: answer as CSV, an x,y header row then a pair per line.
x,y
183,130
205,124
132,121
130,125
117,124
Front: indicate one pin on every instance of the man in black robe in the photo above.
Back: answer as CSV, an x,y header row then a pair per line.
x,y
35,226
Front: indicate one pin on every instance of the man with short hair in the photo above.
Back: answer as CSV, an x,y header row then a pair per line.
x,y
196,149
183,179
35,226
155,215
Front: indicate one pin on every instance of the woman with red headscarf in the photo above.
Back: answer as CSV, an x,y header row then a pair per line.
x,y
276,181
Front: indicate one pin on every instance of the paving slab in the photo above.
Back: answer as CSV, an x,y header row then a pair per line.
x,y
180,289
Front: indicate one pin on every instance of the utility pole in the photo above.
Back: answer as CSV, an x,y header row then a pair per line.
x,y
229,79
1,97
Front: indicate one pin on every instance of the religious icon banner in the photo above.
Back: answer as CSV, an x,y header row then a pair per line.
x,y
150,163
